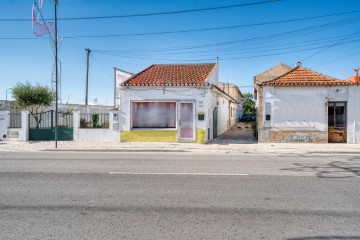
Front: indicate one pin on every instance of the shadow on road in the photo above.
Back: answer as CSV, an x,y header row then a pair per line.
x,y
327,238
336,169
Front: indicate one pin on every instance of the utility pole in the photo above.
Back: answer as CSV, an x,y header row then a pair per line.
x,y
56,75
88,51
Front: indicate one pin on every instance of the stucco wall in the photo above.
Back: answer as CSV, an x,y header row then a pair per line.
x,y
353,117
177,94
13,134
96,134
304,109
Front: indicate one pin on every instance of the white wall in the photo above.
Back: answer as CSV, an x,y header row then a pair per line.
x,y
110,134
196,95
14,134
235,114
3,124
305,108
223,115
353,116
214,76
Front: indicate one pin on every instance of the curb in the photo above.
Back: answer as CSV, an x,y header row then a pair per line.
x,y
113,150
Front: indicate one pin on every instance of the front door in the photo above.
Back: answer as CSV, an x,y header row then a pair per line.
x,y
337,129
186,121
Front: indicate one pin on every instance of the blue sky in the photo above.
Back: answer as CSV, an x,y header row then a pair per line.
x,y
329,45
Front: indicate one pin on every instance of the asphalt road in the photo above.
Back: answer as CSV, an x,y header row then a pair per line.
x,y
178,196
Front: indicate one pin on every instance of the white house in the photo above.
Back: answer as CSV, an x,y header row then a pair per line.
x,y
236,109
174,103
305,106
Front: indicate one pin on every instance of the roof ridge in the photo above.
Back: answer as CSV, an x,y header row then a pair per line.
x,y
320,73
181,64
173,75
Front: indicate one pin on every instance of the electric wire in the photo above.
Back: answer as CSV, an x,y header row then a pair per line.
x,y
151,14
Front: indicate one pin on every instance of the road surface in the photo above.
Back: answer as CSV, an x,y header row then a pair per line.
x,y
65,195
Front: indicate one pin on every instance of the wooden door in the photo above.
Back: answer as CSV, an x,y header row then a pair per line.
x,y
337,118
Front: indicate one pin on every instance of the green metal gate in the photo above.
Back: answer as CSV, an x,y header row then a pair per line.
x,y
44,128
215,122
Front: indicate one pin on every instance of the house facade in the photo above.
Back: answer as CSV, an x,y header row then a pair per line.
x,y
236,109
305,106
174,103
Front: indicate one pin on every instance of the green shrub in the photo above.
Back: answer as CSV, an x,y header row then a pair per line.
x,y
84,123
95,120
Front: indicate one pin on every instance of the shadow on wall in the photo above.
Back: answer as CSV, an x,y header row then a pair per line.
x,y
337,169
327,238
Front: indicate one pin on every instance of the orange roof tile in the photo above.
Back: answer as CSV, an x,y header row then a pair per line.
x,y
300,76
172,75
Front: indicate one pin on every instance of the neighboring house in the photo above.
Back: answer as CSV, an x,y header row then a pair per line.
x,y
306,106
236,110
174,103
268,75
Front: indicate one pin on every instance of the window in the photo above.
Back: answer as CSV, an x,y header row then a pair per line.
x,y
153,115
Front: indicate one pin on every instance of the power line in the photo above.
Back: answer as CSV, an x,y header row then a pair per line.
x,y
333,45
233,50
337,59
286,35
153,14
323,26
350,20
230,58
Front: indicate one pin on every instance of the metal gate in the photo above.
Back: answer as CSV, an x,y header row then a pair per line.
x,y
215,122
43,128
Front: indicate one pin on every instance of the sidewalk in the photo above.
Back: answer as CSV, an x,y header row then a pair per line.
x,y
297,148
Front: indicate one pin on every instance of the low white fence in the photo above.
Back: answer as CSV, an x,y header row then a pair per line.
x,y
106,130
14,127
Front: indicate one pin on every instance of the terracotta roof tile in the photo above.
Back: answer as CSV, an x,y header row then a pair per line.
x,y
300,76
172,75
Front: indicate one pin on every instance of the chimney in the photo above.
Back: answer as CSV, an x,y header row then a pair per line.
x,y
356,76
298,64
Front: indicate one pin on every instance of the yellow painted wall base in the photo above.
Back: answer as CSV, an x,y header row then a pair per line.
x,y
158,136
148,136
200,136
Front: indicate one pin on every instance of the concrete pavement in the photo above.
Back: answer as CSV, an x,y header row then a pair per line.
x,y
212,147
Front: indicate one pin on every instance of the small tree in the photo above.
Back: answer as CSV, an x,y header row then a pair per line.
x,y
249,104
35,99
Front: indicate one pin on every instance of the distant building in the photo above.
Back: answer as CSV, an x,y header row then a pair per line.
x,y
236,109
305,106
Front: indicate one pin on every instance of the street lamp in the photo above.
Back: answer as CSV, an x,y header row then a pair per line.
x,y
68,98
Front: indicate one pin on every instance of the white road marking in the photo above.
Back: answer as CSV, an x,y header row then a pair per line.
x,y
194,174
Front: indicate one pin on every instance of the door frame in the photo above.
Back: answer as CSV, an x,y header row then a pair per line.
x,y
336,131
193,124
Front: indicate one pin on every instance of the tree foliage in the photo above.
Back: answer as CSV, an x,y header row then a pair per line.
x,y
35,99
248,104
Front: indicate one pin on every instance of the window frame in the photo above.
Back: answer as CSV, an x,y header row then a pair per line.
x,y
334,114
153,101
